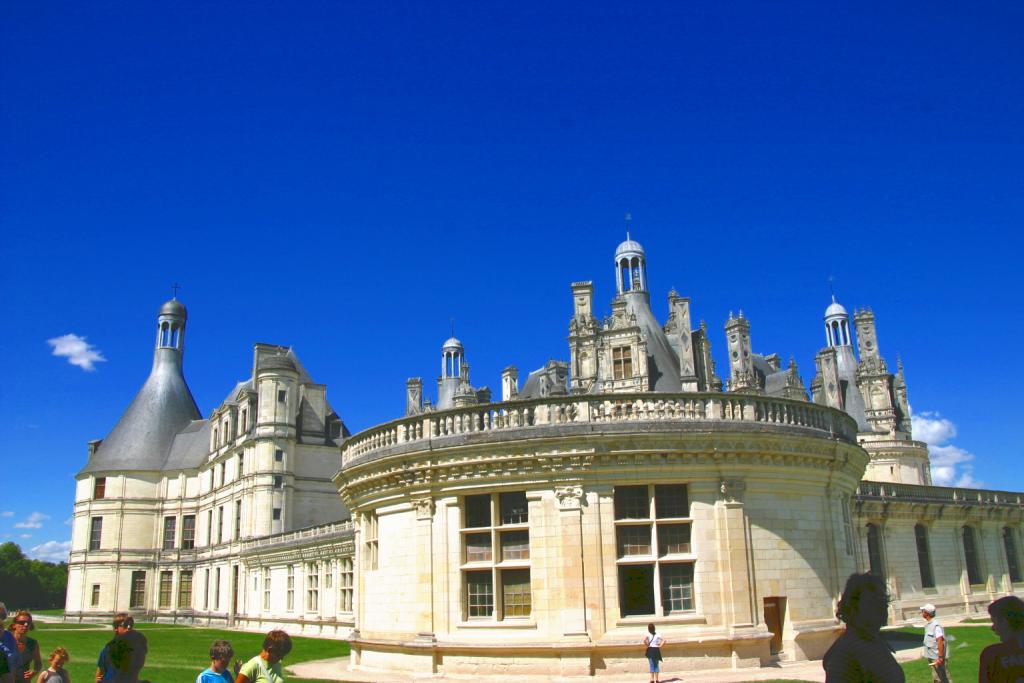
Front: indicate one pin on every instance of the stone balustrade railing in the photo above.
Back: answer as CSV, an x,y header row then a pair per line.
x,y
719,409
298,536
914,493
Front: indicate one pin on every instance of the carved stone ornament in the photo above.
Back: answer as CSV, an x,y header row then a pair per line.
x,y
424,507
569,497
731,490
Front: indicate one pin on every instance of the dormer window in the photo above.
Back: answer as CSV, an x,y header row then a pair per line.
x,y
622,362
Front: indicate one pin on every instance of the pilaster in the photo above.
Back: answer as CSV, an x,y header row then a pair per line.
x,y
734,548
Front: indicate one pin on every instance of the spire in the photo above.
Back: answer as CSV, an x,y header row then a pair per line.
x,y
142,438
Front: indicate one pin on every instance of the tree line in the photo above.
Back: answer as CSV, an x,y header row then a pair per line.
x,y
30,584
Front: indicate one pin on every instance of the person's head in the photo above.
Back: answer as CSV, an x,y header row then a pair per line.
x,y
277,645
221,653
651,629
928,611
120,652
21,624
59,658
1008,617
864,603
3,613
123,622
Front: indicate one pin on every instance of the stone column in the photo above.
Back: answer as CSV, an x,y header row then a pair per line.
x,y
424,571
570,567
734,550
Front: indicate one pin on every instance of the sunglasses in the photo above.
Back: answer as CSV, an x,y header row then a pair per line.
x,y
22,623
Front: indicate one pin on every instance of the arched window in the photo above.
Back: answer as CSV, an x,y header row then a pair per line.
x,y
874,551
165,334
924,556
1012,558
971,556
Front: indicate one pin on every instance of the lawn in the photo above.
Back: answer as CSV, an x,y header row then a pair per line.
x,y
176,653
965,645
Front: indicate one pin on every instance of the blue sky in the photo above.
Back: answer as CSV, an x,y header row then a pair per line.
x,y
346,177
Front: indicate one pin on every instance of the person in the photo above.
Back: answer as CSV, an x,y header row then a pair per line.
x,y
56,673
860,654
652,650
936,650
8,649
266,666
1004,661
29,660
220,659
124,629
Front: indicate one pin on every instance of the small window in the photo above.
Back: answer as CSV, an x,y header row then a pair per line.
x,y
188,532
478,511
513,508
277,514
95,533
170,533
95,601
670,500
631,502
166,583
278,455
282,395
633,540
241,464
622,362
278,481
480,593
185,590
99,488
137,598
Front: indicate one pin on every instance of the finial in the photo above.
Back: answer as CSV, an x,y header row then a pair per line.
x,y
831,288
451,324
629,221
175,287
792,363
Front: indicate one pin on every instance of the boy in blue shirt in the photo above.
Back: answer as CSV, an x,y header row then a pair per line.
x,y
220,659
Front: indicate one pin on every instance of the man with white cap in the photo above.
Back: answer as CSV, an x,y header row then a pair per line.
x,y
935,650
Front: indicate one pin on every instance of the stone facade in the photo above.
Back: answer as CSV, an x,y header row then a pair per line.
x,y
542,532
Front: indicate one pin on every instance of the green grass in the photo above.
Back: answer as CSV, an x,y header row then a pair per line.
x,y
52,612
176,653
965,643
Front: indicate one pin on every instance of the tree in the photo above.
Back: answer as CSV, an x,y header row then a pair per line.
x,y
30,584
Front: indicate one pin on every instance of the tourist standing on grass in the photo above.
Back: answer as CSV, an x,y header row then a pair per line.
x,y
652,650
221,653
936,649
860,654
124,629
8,650
266,666
29,660
56,673
1004,661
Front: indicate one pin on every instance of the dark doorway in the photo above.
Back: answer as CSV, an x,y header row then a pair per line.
x,y
774,614
636,589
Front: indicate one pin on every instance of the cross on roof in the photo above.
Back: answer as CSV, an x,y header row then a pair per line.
x,y
175,287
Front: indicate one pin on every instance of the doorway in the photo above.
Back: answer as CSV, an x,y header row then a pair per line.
x,y
774,617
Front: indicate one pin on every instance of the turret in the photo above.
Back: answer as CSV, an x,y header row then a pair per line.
x,y
277,386
630,267
837,325
741,362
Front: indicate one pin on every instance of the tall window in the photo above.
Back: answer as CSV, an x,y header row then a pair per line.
x,y
95,532
185,590
971,557
241,464
220,524
370,544
312,586
238,520
206,589
95,602
209,527
216,589
166,583
653,552
266,588
346,585
290,594
622,362
1012,558
137,598
170,532
496,556
244,421
188,532
874,551
278,481
924,556
99,488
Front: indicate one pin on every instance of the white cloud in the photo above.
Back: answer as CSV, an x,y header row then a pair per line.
x,y
69,521
51,551
78,351
7,513
951,465
25,536
33,521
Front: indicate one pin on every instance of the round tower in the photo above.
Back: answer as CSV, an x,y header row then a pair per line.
x,y
630,267
837,325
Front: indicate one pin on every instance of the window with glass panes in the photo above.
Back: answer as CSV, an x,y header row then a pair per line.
x,y
370,544
216,589
188,532
166,583
312,586
345,584
95,532
653,552
95,595
185,590
1012,558
290,592
266,588
496,556
971,556
875,551
170,532
99,488
622,362
137,598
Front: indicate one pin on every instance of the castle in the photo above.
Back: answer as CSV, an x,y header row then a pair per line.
x,y
541,532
